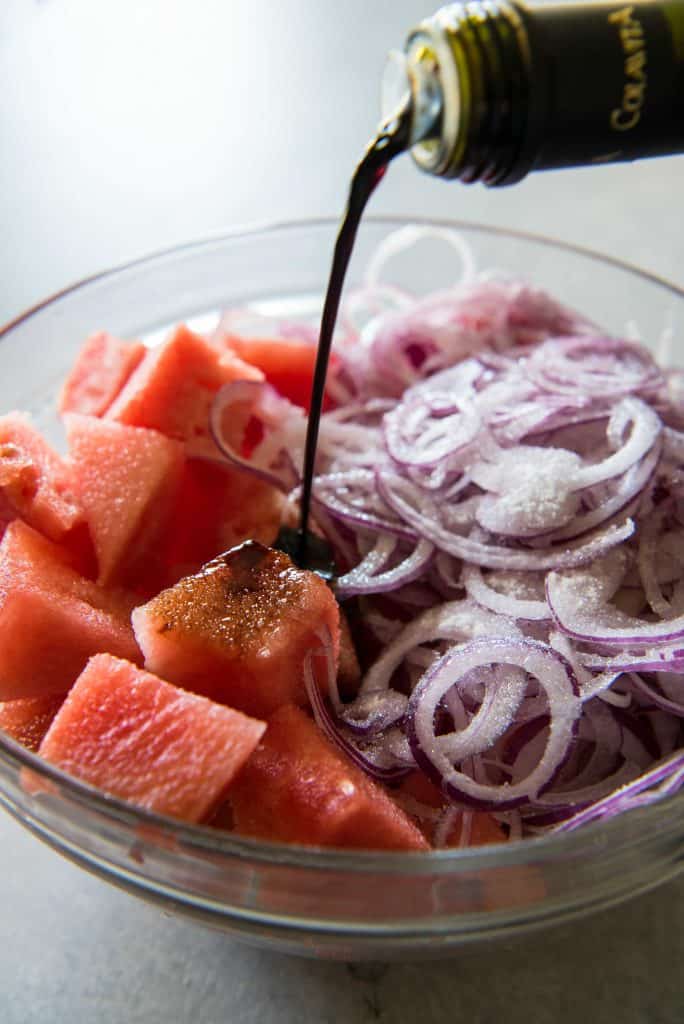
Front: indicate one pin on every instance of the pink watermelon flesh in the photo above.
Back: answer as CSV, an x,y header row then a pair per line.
x,y
27,721
139,738
298,788
173,388
216,507
239,630
36,484
25,553
127,479
102,367
51,618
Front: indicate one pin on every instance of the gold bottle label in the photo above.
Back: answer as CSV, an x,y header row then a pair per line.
x,y
633,40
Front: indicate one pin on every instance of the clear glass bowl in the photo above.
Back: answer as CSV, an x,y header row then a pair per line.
x,y
304,900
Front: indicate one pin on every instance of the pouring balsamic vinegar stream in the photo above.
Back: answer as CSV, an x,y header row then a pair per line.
x,y
393,138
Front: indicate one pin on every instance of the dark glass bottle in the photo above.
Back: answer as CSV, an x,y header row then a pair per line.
x,y
501,88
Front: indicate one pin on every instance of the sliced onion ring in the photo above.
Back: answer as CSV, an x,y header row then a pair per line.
x,y
271,460
662,779
425,522
457,621
584,618
373,760
503,604
351,497
554,675
368,578
646,428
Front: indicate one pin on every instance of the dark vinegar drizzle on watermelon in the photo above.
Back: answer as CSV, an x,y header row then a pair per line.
x,y
393,138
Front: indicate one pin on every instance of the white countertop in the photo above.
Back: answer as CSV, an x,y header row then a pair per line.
x,y
128,127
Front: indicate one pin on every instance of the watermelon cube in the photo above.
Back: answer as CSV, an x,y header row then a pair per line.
x,y
216,507
173,388
27,721
139,738
240,629
52,619
286,363
36,484
127,479
298,788
102,367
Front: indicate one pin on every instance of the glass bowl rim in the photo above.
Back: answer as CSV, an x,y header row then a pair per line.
x,y
204,838
255,228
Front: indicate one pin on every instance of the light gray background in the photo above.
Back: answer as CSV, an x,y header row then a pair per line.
x,y
129,126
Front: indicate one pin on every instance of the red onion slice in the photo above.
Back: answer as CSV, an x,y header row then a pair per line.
x,y
436,419
661,780
599,728
415,437
646,426
666,727
509,604
624,501
648,560
458,621
373,713
373,757
673,447
445,391
577,606
590,686
659,659
672,706
347,445
485,314
283,424
570,800
598,367
352,497
448,818
425,520
503,694
368,576
553,674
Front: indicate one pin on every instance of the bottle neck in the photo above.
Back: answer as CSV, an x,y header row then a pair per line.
x,y
562,84
479,56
